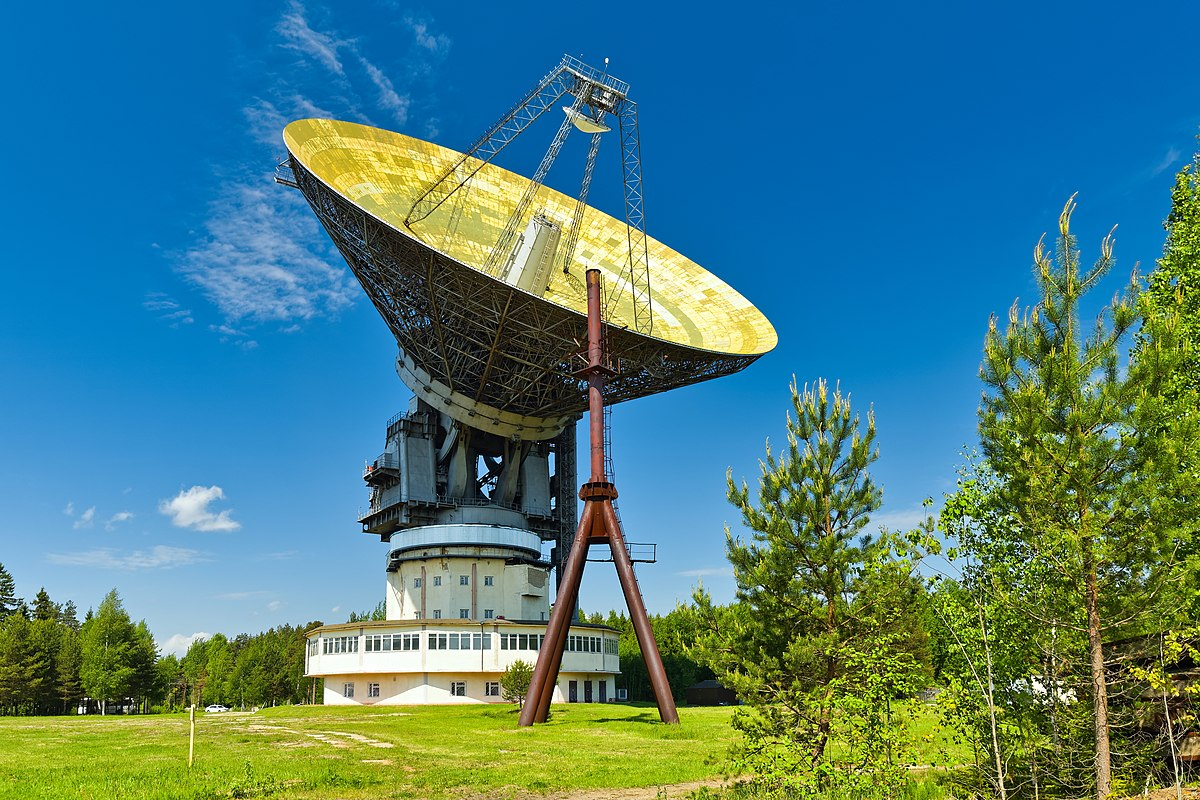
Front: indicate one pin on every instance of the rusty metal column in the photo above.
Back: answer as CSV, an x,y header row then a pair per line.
x,y
596,377
549,658
641,622
597,523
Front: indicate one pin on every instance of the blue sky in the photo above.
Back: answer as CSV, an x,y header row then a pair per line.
x,y
192,380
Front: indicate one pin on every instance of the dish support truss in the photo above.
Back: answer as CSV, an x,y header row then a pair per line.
x,y
604,94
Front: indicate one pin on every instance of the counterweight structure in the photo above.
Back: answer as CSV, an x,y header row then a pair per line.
x,y
491,285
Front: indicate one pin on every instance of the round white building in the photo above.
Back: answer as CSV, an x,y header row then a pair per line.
x,y
466,516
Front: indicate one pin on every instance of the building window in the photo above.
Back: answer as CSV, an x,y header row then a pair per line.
x,y
464,613
491,689
458,689
347,690
489,613
372,690
339,644
488,580
387,642
437,580
464,580
520,641
437,613
416,583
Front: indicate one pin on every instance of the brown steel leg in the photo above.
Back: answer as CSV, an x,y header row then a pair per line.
x,y
545,671
641,623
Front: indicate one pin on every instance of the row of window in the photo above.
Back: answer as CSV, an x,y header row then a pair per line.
x,y
463,613
520,641
389,642
584,644
339,644
460,641
463,580
457,689
386,642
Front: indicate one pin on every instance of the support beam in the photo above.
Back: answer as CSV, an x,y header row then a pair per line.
x,y
598,523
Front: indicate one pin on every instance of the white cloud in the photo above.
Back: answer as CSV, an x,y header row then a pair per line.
x,y
158,557
179,643
898,520
85,519
280,555
434,43
258,262
704,572
119,517
189,509
274,605
168,310
238,595
70,509
299,36
1169,159
389,98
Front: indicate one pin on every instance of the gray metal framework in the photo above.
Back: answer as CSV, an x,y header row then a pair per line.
x,y
485,338
605,95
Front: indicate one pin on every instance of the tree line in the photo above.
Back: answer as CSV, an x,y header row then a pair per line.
x,y
51,663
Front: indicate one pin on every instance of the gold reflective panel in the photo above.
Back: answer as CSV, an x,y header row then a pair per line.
x,y
383,173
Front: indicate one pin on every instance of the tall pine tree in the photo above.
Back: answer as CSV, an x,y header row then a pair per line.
x,y
1087,454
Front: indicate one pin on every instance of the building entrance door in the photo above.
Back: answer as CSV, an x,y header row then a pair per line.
x,y
572,691
587,691
603,691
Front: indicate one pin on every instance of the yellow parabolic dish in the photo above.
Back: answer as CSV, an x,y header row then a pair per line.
x,y
383,173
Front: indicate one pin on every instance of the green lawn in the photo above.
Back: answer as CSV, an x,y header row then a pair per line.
x,y
351,752
328,752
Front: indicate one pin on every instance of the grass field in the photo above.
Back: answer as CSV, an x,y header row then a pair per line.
x,y
334,752
351,752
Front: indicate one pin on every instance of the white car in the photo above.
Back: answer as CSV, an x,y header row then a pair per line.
x,y
216,709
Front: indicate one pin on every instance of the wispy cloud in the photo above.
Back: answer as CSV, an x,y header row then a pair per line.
x,y
189,509
282,555
704,572
274,605
238,595
426,38
85,519
70,509
179,643
264,260
158,557
389,98
117,518
901,519
1167,162
298,35
261,257
167,309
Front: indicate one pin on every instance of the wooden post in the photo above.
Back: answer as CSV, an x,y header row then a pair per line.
x,y
192,734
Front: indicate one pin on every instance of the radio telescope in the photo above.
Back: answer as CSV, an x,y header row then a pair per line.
x,y
515,309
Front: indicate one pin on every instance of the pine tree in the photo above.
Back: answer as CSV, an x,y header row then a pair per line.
x,y
1174,287
809,646
43,608
67,681
1087,459
9,603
